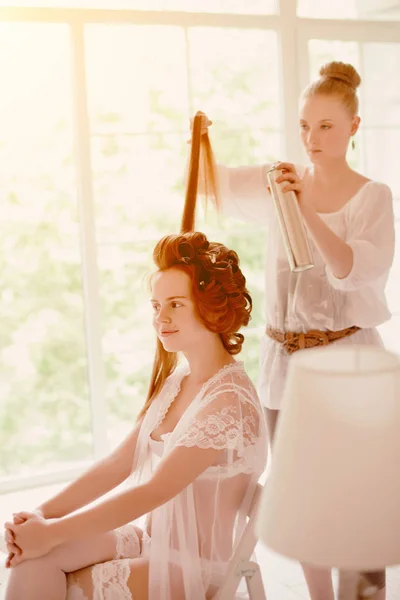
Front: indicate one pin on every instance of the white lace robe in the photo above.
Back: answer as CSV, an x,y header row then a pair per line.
x,y
190,539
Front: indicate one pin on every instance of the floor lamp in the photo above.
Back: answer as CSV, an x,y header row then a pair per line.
x,y
332,498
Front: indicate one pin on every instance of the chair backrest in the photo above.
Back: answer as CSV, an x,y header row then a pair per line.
x,y
243,552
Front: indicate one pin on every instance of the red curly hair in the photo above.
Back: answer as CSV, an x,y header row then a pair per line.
x,y
219,290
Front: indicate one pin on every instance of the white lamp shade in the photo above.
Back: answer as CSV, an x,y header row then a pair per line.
x,y
332,498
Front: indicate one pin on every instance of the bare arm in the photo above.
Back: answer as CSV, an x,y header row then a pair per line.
x,y
367,253
37,536
175,472
173,475
102,477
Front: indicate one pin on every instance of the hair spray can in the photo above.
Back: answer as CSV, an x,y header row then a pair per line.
x,y
291,224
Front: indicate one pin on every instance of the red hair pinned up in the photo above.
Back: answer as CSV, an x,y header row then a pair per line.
x,y
218,285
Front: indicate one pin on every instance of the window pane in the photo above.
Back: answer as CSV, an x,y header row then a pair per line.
x,y
44,409
323,51
138,164
235,80
138,185
128,342
349,9
139,123
381,104
154,97
139,108
258,7
381,156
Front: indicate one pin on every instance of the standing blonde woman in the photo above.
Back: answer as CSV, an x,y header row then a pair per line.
x,y
350,224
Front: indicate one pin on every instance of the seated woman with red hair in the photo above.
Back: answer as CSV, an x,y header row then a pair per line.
x,y
193,458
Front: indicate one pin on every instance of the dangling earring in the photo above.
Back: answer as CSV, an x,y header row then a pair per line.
x,y
353,144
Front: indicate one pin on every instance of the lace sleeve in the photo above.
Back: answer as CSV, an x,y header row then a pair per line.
x,y
230,418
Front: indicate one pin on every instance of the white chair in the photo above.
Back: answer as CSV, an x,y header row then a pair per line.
x,y
241,564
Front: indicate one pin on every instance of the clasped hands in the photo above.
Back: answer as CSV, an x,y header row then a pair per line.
x,y
27,536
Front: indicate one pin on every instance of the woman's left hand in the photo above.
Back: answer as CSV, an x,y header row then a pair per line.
x,y
294,183
33,537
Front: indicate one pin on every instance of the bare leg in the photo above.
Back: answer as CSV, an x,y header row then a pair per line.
x,y
96,583
319,581
45,578
93,583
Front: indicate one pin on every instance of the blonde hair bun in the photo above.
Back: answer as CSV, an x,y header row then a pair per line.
x,y
342,72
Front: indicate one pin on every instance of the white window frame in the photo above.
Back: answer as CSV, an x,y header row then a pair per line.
x,y
293,33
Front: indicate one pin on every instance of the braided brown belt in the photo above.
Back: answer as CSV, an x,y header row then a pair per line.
x,y
298,341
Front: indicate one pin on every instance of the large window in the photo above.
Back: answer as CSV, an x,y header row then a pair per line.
x,y
93,127
44,409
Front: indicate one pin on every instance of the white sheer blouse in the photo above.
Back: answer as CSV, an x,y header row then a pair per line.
x,y
315,299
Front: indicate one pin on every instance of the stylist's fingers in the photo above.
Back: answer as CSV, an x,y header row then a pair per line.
x,y
292,187
205,121
292,177
285,166
205,124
